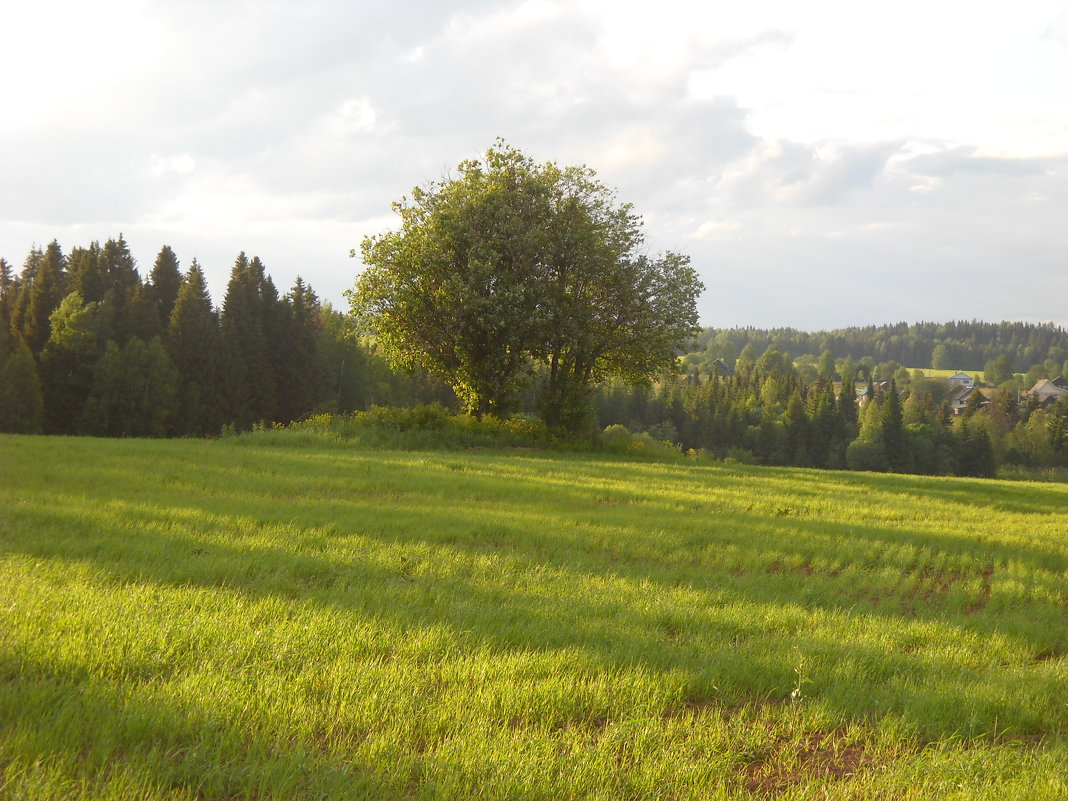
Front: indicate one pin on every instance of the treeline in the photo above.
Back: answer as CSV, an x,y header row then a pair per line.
x,y
88,347
961,345
767,414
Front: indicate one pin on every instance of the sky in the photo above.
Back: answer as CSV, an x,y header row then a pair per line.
x,y
823,164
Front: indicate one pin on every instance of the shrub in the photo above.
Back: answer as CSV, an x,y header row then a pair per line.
x,y
616,438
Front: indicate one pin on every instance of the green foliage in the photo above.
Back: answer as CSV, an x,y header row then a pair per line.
x,y
133,391
998,371
68,360
193,343
249,386
21,401
40,294
511,262
409,428
301,383
975,451
165,280
963,345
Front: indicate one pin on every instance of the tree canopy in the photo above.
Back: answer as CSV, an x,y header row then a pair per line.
x,y
514,269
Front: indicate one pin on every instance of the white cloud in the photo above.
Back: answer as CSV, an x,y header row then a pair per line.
x,y
182,164
352,118
820,161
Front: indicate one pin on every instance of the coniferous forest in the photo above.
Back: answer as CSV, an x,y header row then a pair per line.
x,y
89,346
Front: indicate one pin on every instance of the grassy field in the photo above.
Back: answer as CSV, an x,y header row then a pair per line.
x,y
929,372
241,619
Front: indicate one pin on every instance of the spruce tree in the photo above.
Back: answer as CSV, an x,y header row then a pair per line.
x,y
193,344
847,411
249,379
895,445
796,431
165,280
20,306
123,281
974,404
142,314
88,276
21,401
44,293
8,290
300,377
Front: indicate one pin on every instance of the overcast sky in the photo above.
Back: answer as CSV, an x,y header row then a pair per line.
x,y
823,163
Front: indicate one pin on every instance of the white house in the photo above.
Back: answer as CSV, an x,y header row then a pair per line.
x,y
962,380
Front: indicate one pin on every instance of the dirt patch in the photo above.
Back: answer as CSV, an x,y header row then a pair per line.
x,y
984,591
820,755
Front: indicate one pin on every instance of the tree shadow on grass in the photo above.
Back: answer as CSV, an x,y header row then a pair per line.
x,y
726,659
114,733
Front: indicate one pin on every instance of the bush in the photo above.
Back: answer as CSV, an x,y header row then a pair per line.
x,y
412,428
616,438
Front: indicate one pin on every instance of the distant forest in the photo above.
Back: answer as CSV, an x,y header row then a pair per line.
x,y
967,346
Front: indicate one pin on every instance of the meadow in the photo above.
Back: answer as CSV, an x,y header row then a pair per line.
x,y
271,617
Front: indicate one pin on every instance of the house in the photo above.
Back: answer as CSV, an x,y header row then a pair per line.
x,y
962,379
880,388
958,398
1047,392
1059,381
722,369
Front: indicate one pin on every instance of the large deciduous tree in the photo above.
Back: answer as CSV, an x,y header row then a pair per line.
x,y
513,265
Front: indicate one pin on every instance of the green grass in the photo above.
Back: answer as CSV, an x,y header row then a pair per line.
x,y
245,619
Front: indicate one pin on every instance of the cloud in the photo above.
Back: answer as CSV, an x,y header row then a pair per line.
x,y
792,162
965,160
182,163
352,118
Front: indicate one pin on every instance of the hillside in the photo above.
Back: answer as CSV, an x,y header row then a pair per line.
x,y
193,619
959,345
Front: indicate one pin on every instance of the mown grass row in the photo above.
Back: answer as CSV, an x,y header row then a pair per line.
x,y
242,619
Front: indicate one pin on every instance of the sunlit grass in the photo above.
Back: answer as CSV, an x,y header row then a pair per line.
x,y
192,619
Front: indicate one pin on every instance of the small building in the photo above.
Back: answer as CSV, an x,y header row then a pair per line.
x,y
880,388
1047,392
962,379
958,398
722,369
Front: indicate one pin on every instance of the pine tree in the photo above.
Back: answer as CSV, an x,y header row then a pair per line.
x,y
20,306
249,378
300,377
123,281
824,429
974,404
165,280
8,290
142,314
88,276
21,402
847,411
193,343
44,293
796,431
893,431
